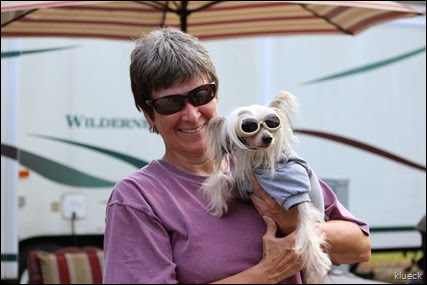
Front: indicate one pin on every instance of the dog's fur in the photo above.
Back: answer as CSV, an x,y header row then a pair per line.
x,y
263,149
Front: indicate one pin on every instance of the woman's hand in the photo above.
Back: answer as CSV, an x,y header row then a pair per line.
x,y
279,257
287,221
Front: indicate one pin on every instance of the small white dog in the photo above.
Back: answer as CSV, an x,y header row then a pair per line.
x,y
259,139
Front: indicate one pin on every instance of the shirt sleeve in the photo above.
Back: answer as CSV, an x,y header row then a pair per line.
x,y
334,210
289,186
136,246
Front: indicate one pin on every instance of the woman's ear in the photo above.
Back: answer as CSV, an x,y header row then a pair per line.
x,y
151,123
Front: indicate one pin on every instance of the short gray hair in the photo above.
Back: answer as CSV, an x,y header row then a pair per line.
x,y
163,58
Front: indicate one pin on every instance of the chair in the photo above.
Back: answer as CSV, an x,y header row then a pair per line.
x,y
69,265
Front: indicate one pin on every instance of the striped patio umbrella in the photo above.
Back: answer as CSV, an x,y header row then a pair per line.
x,y
127,20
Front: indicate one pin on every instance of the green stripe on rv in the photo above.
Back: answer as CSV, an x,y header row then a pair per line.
x,y
7,54
123,157
9,257
60,173
391,229
368,67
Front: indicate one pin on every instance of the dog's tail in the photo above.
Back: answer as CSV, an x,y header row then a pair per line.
x,y
310,245
218,191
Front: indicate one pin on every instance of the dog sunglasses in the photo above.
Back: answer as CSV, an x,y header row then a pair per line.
x,y
174,103
250,127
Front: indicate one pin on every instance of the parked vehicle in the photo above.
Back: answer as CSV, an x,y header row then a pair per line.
x,y
70,130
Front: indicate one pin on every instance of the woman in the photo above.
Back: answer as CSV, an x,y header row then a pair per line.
x,y
158,229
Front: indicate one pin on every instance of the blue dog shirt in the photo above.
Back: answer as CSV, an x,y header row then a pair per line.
x,y
292,183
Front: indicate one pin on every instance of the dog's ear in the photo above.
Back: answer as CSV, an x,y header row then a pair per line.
x,y
285,102
217,140
286,106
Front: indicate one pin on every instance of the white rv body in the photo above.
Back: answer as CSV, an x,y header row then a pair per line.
x,y
70,113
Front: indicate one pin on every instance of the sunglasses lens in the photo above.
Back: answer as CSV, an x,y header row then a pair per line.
x,y
249,126
272,121
169,105
202,95
201,98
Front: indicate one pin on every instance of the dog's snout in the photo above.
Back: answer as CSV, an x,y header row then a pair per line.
x,y
267,140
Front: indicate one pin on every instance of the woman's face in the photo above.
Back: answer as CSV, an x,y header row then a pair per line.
x,y
184,132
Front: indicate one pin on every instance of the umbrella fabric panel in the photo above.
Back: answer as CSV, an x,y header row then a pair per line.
x,y
204,19
115,20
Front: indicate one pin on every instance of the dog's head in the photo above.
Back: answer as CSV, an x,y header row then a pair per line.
x,y
256,127
265,131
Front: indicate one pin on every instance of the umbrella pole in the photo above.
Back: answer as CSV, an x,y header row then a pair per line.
x,y
184,23
183,13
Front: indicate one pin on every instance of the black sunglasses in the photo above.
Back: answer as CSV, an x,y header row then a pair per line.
x,y
250,127
174,103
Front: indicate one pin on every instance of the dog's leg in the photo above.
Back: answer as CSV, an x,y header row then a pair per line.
x,y
309,244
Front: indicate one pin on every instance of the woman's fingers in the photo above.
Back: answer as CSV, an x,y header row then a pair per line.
x,y
278,253
271,226
287,221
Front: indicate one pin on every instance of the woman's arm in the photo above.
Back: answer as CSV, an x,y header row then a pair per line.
x,y
347,242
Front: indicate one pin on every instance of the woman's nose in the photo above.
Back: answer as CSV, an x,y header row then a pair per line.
x,y
190,113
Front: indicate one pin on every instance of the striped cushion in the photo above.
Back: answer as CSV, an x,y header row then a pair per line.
x,y
85,267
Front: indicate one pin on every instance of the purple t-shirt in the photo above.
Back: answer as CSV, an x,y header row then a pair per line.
x,y
158,230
